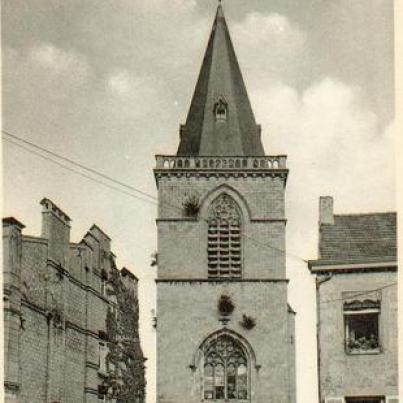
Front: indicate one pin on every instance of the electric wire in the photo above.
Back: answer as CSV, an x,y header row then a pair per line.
x,y
77,164
154,202
359,294
153,199
79,173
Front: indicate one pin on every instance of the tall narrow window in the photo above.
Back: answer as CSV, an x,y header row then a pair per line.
x,y
225,370
224,238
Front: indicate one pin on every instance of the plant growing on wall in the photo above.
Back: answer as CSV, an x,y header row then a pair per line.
x,y
154,259
104,275
225,305
125,379
57,317
248,322
191,206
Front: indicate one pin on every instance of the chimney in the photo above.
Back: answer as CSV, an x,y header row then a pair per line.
x,y
56,229
12,256
326,210
12,251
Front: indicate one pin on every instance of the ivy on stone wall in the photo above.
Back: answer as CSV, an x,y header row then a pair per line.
x,y
125,378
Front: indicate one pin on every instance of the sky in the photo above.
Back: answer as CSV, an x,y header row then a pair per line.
x,y
107,83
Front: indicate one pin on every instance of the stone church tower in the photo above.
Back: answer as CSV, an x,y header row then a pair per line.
x,y
224,329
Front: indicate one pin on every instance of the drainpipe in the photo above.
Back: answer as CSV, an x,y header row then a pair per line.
x,y
318,283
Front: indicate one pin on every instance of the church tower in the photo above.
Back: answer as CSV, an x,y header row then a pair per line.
x,y
224,329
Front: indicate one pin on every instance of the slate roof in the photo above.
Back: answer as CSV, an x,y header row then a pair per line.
x,y
358,238
220,78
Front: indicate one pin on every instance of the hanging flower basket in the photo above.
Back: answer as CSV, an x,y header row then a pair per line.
x,y
225,305
191,206
248,322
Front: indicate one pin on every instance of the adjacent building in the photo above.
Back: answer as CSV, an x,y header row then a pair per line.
x,y
70,317
356,278
225,331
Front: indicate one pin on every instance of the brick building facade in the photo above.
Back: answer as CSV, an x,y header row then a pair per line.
x,y
224,329
356,277
67,309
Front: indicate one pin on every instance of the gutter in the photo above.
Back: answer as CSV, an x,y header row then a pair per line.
x,y
318,283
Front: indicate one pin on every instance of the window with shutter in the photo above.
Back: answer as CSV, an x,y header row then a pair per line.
x,y
224,251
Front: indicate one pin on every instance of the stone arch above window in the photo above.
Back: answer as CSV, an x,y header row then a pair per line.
x,y
224,246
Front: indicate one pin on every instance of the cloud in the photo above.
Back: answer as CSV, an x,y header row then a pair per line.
x,y
58,60
270,46
130,96
119,82
177,6
43,69
335,146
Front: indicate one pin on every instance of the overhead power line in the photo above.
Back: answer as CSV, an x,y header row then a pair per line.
x,y
360,294
80,173
77,164
140,195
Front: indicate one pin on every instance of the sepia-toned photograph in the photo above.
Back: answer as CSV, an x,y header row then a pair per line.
x,y
199,201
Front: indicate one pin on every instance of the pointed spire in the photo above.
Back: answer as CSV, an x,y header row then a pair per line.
x,y
220,121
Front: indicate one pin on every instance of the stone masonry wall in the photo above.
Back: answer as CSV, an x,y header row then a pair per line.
x,y
342,374
187,298
262,204
55,311
187,314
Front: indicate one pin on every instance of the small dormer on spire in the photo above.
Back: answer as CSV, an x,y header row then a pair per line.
x,y
221,110
220,120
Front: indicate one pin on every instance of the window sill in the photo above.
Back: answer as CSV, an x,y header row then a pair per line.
x,y
365,352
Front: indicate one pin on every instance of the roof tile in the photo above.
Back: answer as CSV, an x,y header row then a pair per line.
x,y
358,238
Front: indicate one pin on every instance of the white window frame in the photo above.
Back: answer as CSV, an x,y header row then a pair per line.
x,y
348,313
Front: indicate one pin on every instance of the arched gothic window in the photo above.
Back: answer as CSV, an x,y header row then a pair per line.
x,y
225,370
224,238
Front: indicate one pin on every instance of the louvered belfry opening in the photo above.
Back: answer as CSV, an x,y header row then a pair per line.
x,y
224,238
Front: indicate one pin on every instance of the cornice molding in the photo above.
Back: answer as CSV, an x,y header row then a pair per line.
x,y
221,173
221,281
316,267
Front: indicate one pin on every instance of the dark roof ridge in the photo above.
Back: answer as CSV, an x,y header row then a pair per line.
x,y
366,214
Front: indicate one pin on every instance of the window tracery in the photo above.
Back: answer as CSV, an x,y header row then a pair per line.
x,y
225,370
224,238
